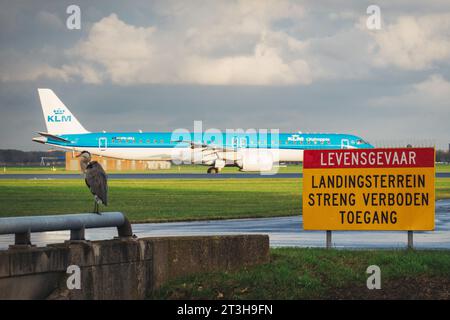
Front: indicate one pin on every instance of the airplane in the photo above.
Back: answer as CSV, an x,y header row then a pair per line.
x,y
250,151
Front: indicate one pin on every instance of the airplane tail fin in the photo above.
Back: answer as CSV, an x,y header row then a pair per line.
x,y
58,118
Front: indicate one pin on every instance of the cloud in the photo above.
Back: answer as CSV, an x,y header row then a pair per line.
x,y
49,20
413,43
241,42
129,54
30,70
26,70
430,95
126,53
212,43
263,67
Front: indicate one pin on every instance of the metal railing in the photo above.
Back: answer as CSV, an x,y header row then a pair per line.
x,y
22,227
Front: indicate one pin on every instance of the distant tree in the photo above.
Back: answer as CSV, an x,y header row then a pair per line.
x,y
442,156
18,157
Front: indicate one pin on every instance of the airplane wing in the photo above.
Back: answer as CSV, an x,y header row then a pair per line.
x,y
209,147
210,152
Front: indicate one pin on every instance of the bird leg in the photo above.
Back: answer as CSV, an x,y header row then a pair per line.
x,y
95,206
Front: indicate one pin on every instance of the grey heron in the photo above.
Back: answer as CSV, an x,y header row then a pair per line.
x,y
95,178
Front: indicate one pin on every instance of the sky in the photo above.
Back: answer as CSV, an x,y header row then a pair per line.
x,y
310,66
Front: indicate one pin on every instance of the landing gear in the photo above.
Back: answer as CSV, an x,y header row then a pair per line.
x,y
213,170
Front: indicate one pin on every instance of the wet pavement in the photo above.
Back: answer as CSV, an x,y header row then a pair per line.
x,y
283,232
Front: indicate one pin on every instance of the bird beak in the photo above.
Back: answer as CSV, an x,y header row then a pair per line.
x,y
78,155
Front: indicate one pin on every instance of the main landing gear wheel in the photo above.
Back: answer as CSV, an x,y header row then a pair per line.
x,y
213,170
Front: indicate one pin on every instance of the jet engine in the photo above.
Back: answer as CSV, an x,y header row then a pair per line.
x,y
256,160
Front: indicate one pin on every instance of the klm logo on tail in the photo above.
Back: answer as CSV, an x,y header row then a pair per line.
x,y
58,116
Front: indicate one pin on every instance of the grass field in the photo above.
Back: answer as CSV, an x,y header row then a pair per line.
x,y
295,273
442,167
164,199
173,169
156,200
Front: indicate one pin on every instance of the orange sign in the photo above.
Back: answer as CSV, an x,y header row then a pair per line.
x,y
369,189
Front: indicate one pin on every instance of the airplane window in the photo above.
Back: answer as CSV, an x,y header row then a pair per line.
x,y
140,140
162,140
155,141
148,140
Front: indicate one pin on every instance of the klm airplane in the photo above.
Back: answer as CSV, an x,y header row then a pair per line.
x,y
250,151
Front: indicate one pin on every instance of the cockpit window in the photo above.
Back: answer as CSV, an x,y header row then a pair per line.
x,y
361,141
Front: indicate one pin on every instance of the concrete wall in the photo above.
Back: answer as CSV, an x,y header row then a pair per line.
x,y
122,269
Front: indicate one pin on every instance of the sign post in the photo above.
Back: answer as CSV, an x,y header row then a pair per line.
x,y
410,240
369,189
329,243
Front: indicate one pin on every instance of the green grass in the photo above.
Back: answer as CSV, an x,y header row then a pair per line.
x,y
32,170
165,199
295,273
157,200
442,188
442,167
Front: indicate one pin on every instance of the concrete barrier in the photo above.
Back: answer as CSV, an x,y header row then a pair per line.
x,y
122,268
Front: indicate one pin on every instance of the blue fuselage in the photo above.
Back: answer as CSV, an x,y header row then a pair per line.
x,y
157,145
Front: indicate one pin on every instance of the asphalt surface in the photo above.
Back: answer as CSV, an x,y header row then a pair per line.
x,y
27,176
283,232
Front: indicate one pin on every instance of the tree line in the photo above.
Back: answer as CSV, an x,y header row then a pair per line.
x,y
10,157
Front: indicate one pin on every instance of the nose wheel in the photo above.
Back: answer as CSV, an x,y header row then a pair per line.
x,y
213,170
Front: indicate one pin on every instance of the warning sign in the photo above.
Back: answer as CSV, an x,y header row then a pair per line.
x,y
369,189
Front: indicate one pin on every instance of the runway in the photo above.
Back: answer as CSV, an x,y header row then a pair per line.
x,y
26,176
283,232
